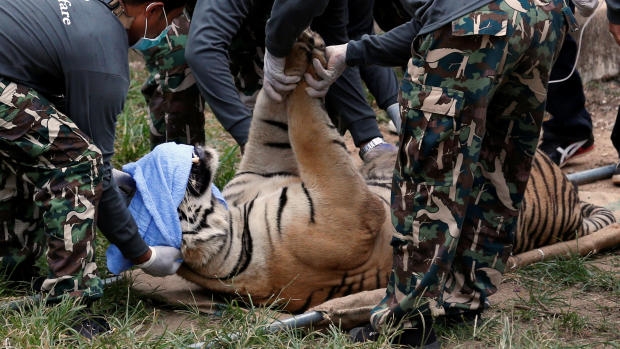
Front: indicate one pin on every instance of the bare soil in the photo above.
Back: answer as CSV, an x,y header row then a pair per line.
x,y
599,309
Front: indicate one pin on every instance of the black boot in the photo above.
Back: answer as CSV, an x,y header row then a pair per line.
x,y
89,325
423,337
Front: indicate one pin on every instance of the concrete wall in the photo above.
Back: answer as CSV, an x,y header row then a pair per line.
x,y
600,55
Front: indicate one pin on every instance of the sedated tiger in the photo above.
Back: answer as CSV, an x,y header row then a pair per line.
x,y
304,224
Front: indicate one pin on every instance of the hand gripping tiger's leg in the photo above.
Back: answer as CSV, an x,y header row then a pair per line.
x,y
268,138
325,165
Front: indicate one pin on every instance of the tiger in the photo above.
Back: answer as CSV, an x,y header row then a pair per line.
x,y
302,223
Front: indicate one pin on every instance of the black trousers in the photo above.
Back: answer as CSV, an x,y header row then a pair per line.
x,y
615,133
570,120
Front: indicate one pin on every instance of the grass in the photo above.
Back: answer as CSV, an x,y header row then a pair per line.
x,y
571,303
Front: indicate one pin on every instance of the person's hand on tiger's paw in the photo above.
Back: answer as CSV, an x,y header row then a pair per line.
x,y
336,65
275,82
164,260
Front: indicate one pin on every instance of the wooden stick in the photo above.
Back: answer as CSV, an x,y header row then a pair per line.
x,y
605,238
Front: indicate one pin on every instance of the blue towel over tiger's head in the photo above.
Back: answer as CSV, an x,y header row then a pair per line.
x,y
161,180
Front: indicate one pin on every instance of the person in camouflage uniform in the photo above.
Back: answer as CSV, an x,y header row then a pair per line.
x,y
472,103
60,96
69,202
471,134
176,108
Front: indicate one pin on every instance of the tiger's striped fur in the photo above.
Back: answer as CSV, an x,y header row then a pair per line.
x,y
305,225
301,226
552,212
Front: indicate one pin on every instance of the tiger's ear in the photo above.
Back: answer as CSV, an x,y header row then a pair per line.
x,y
201,173
208,156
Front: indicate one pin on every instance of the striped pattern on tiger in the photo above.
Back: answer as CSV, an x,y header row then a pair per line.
x,y
301,225
551,210
305,225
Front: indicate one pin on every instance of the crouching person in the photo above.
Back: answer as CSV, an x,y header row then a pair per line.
x,y
60,95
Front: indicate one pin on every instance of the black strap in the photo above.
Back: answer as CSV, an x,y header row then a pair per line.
x,y
114,6
119,12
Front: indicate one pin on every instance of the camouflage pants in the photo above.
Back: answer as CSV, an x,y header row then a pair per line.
x,y
175,116
472,102
176,108
49,190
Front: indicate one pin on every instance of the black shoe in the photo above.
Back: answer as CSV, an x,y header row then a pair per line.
x,y
89,325
468,318
418,338
412,337
364,334
560,154
21,277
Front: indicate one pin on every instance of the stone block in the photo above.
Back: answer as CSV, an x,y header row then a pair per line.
x,y
600,55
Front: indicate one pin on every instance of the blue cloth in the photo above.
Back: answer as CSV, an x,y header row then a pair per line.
x,y
218,195
161,179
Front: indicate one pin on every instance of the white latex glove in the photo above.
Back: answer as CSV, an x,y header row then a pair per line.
x,y
275,82
165,260
585,7
336,64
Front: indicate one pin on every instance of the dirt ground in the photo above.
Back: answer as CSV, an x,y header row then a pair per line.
x,y
602,101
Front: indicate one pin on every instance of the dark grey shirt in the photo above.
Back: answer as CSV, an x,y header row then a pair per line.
x,y
75,53
434,14
288,20
215,23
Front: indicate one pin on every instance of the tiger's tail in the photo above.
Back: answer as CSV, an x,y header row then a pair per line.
x,y
595,217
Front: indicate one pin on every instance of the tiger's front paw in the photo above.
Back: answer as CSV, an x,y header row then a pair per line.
x,y
309,45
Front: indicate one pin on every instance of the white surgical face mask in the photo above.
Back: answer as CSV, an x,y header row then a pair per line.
x,y
145,43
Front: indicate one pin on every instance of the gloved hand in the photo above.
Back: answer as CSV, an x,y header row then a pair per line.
x,y
585,7
275,82
165,260
336,64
